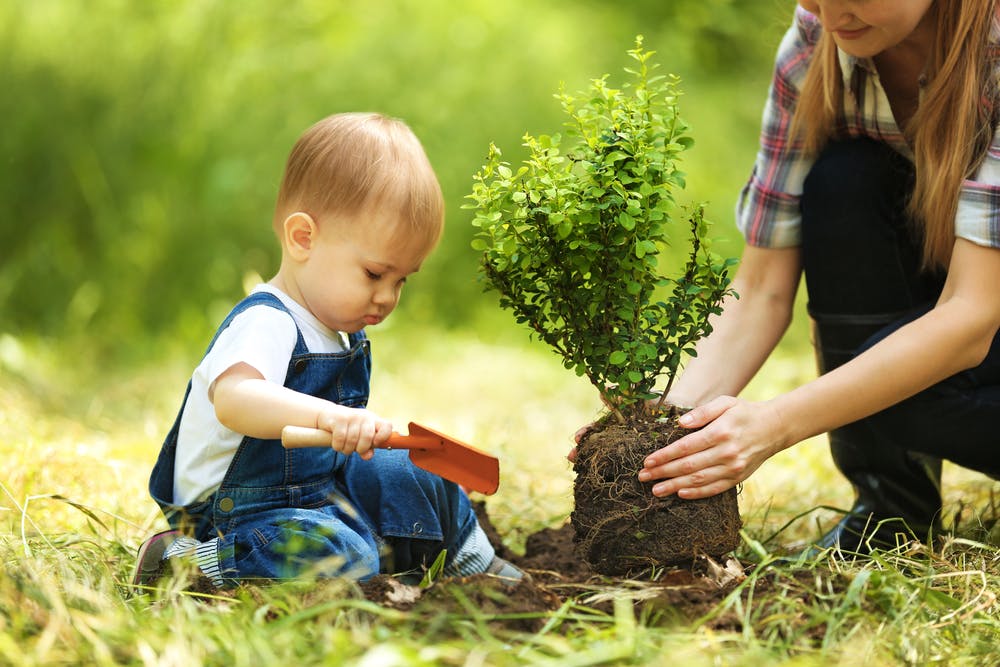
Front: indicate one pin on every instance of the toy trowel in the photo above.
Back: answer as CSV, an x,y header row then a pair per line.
x,y
435,452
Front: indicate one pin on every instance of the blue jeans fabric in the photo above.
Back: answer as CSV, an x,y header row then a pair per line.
x,y
313,511
861,259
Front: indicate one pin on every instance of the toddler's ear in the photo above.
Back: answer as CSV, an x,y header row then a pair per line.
x,y
299,233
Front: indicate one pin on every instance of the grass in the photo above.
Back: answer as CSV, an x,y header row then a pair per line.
x,y
77,451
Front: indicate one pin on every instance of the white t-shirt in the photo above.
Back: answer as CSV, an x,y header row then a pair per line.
x,y
262,337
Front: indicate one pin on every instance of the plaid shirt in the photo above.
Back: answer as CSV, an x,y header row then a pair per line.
x,y
767,212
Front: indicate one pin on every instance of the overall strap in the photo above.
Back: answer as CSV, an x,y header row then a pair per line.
x,y
261,299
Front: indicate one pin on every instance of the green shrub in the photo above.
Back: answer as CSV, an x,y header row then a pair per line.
x,y
572,239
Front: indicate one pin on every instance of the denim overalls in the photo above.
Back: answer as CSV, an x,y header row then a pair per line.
x,y
313,511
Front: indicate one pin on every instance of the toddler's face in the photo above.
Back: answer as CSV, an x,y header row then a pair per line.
x,y
356,271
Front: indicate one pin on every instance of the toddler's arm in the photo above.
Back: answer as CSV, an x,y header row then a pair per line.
x,y
247,403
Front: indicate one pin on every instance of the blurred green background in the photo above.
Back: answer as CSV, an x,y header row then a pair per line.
x,y
143,142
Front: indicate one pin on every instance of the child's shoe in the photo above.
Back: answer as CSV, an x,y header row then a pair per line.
x,y
170,552
504,569
150,566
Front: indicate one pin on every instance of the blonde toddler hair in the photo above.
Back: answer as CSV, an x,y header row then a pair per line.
x,y
350,164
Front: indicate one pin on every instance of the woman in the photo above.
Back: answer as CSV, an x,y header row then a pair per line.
x,y
878,178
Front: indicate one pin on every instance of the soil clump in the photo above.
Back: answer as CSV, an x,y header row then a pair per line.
x,y
622,529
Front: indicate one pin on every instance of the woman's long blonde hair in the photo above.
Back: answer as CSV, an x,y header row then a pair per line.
x,y
950,132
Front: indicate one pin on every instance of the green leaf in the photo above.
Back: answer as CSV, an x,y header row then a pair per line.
x,y
644,247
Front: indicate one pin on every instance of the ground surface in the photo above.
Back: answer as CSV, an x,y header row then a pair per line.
x,y
557,577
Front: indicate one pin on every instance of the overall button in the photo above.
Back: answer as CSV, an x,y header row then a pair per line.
x,y
300,365
417,528
226,504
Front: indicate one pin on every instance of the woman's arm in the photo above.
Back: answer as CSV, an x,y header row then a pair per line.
x,y
737,436
247,403
747,331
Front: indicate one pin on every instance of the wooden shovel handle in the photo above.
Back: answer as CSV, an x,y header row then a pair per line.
x,y
435,452
293,437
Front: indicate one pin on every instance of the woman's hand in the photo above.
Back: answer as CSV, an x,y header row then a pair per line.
x,y
734,438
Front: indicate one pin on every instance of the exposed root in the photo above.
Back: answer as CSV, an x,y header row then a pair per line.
x,y
620,526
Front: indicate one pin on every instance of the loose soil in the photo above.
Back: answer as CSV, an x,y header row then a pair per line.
x,y
557,576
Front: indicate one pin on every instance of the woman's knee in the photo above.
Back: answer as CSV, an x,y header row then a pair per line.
x,y
949,420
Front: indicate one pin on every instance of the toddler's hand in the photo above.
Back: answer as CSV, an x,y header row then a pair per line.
x,y
354,430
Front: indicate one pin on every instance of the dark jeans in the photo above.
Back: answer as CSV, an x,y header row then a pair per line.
x,y
861,259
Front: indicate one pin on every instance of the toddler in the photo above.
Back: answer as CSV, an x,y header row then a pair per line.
x,y
358,211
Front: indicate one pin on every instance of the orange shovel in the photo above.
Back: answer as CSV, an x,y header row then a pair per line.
x,y
435,452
